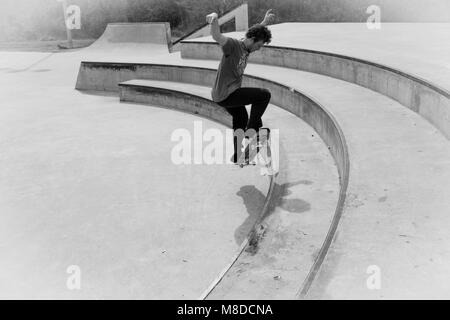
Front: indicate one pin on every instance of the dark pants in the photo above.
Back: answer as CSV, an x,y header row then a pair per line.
x,y
235,105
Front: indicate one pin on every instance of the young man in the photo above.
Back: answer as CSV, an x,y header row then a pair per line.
x,y
227,91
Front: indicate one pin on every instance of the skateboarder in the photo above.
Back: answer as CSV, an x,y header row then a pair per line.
x,y
227,91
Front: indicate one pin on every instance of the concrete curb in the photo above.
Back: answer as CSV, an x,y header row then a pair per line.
x,y
191,103
107,76
423,97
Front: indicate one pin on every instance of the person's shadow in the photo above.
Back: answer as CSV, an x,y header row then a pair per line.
x,y
254,202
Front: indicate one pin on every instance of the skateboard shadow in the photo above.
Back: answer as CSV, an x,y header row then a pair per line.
x,y
254,202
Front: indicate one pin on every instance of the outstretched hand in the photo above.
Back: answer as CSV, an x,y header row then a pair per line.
x,y
210,18
269,17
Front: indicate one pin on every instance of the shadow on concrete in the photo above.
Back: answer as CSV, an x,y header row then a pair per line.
x,y
254,202
289,205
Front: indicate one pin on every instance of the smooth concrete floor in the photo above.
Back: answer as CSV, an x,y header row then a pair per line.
x,y
88,181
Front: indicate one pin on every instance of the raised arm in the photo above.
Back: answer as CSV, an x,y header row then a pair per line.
x,y
213,20
268,18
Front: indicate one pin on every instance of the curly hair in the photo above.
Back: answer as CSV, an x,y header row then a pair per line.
x,y
259,32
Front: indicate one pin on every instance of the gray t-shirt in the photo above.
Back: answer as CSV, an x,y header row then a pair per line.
x,y
231,69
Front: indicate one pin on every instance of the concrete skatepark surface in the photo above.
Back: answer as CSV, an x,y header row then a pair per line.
x,y
89,181
85,182
131,41
425,54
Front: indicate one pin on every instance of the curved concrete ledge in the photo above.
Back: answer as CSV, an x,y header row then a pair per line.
x,y
198,105
107,76
427,99
175,100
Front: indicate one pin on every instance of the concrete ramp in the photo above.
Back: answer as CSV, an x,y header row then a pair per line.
x,y
123,42
146,33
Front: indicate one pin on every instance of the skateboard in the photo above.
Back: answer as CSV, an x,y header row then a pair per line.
x,y
259,144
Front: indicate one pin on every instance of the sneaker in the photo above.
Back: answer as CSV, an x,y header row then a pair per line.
x,y
235,160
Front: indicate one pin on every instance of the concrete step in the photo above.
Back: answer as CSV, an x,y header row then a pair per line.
x,y
418,49
399,177
305,194
415,83
192,89
173,95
